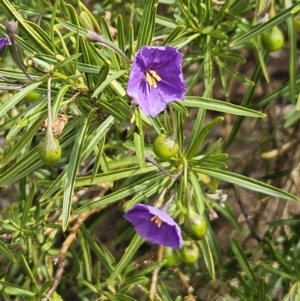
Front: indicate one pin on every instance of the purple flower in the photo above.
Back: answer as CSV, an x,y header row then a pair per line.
x,y
3,42
155,225
156,78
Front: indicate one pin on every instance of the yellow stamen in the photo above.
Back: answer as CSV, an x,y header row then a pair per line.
x,y
157,220
152,77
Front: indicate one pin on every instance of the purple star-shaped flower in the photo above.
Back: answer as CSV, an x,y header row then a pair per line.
x,y
3,42
155,225
156,78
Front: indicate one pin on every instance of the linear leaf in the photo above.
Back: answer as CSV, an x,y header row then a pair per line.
x,y
220,106
246,182
240,257
72,170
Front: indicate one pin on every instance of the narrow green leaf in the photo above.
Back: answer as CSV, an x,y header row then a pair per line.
x,y
122,193
146,28
28,271
139,140
198,195
220,106
5,251
245,182
66,61
100,250
23,142
238,293
292,53
73,166
197,141
110,80
259,29
28,203
261,289
240,257
26,165
208,257
9,104
126,258
98,134
235,74
14,290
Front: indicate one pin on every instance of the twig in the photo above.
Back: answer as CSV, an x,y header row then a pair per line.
x,y
60,258
11,29
185,282
153,292
243,210
151,160
95,37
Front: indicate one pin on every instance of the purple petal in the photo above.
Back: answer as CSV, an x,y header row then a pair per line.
x,y
3,42
166,62
168,234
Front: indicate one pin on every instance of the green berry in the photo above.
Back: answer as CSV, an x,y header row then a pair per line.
x,y
165,146
171,257
190,254
195,226
272,40
49,149
31,97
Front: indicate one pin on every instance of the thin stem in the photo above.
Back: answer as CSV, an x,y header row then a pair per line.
x,y
11,29
151,160
95,37
49,128
152,291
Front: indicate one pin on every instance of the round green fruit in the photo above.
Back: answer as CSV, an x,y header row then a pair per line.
x,y
31,97
49,149
190,254
171,257
195,226
165,146
272,40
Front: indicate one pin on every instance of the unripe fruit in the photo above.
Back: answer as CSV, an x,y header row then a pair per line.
x,y
272,40
195,226
165,146
31,97
190,254
171,256
49,149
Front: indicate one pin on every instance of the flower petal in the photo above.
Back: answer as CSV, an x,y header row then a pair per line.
x,y
3,42
167,234
166,63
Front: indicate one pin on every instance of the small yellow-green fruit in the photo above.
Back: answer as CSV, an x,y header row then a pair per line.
x,y
195,226
272,40
171,257
49,149
31,97
190,254
165,146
